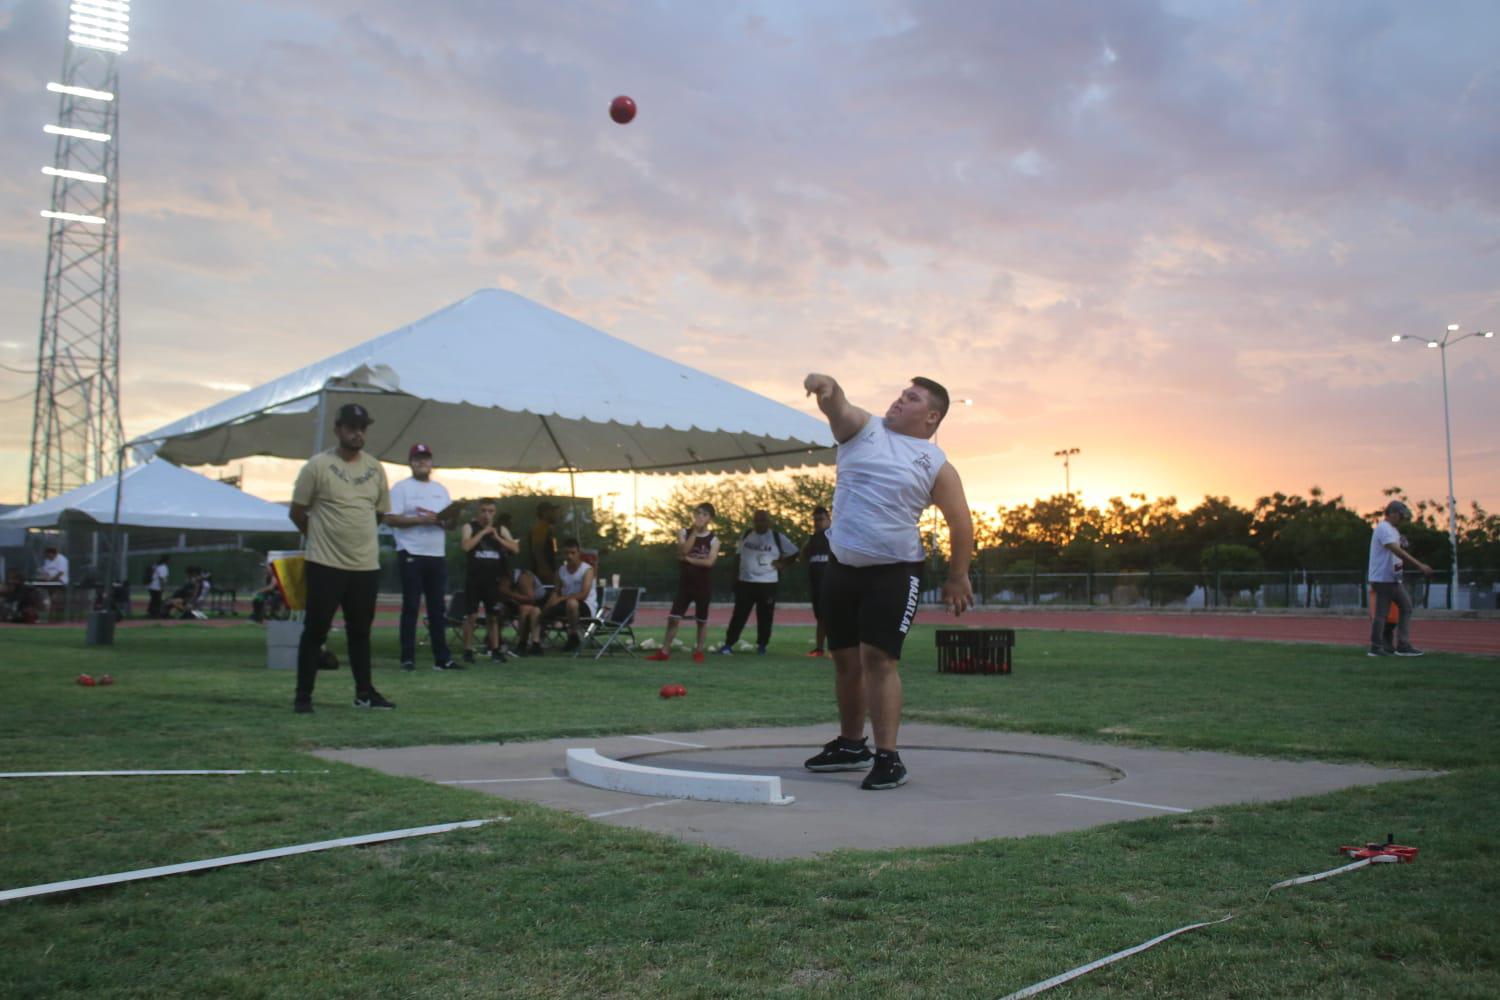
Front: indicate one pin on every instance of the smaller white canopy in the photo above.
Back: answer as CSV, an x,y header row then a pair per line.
x,y
158,495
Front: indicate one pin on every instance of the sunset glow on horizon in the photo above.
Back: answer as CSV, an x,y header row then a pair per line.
x,y
1178,238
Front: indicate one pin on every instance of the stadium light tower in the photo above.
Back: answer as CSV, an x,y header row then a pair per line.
x,y
1066,454
75,431
1441,346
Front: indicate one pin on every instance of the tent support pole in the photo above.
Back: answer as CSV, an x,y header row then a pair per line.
x,y
321,429
106,636
572,490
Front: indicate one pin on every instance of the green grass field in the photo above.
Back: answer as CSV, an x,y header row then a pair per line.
x,y
550,905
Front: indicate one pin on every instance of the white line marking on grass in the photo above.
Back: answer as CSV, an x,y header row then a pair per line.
x,y
675,743
496,781
132,774
1123,802
239,859
631,809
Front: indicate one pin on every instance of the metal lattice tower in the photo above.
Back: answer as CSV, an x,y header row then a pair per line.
x,y
76,431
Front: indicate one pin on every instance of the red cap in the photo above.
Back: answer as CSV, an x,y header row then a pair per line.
x,y
419,451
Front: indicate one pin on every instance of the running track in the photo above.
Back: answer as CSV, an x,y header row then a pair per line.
x,y
1453,635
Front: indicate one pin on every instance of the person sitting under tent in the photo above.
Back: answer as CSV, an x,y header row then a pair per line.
x,y
186,599
19,601
575,585
524,594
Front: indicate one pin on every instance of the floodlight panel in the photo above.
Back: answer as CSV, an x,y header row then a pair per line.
x,y
63,88
75,175
92,220
97,43
76,133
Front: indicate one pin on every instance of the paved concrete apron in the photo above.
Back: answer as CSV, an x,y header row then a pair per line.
x,y
965,785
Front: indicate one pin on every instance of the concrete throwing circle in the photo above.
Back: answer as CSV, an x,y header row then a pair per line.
x,y
966,774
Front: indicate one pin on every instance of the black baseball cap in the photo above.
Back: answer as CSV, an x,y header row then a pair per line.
x,y
353,415
418,451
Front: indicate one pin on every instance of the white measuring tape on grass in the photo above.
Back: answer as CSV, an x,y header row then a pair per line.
x,y
134,774
1099,963
240,859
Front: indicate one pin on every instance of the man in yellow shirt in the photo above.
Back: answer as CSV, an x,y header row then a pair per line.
x,y
337,503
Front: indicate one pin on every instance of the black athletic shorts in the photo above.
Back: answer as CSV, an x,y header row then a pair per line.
x,y
870,604
695,587
482,590
815,574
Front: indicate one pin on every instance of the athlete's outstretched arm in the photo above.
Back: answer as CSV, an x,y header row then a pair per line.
x,y
948,494
844,418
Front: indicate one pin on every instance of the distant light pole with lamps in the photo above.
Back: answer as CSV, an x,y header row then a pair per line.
x,y
1066,454
1441,346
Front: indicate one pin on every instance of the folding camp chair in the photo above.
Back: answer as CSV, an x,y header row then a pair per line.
x,y
615,623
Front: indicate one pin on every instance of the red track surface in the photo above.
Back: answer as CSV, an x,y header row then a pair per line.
x,y
1452,635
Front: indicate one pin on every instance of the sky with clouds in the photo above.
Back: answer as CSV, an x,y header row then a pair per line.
x,y
1178,236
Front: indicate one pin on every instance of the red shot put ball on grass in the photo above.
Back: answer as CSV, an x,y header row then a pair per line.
x,y
622,110
668,691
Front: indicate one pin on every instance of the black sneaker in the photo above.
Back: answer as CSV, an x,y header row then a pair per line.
x,y
520,650
1407,649
372,699
888,772
448,665
408,666
536,649
573,643
469,656
841,755
1378,650
302,707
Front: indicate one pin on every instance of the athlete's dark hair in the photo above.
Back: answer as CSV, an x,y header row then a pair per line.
x,y
571,543
820,509
707,508
937,392
487,502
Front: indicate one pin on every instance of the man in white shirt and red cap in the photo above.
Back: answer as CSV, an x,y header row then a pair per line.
x,y
418,506
889,471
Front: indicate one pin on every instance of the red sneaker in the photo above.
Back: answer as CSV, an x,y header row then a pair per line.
x,y
659,656
816,652
697,656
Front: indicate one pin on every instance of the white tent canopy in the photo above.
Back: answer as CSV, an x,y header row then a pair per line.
x,y
157,495
497,381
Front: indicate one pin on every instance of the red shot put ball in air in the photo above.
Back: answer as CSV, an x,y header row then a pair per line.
x,y
622,110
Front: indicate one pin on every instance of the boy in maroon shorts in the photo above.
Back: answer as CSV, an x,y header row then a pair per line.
x,y
697,550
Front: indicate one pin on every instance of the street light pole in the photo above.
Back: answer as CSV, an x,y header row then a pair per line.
x,y
1442,349
1065,454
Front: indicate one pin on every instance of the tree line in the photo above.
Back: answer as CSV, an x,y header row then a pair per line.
x,y
1279,532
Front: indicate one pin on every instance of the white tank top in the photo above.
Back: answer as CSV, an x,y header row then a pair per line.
x,y
884,484
568,581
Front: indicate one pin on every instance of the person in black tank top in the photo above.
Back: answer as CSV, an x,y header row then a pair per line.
x,y
817,553
697,550
487,547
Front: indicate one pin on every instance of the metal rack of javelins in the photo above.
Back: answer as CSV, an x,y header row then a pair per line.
x,y
975,651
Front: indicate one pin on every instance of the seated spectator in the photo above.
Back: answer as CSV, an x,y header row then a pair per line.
x,y
524,595
54,567
186,598
19,601
266,602
575,584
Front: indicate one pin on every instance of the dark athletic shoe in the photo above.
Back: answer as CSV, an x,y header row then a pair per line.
x,y
841,755
302,707
408,666
1409,650
468,656
449,665
888,772
1380,651
372,699
573,643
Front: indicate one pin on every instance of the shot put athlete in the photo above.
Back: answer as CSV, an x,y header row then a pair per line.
x,y
888,472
